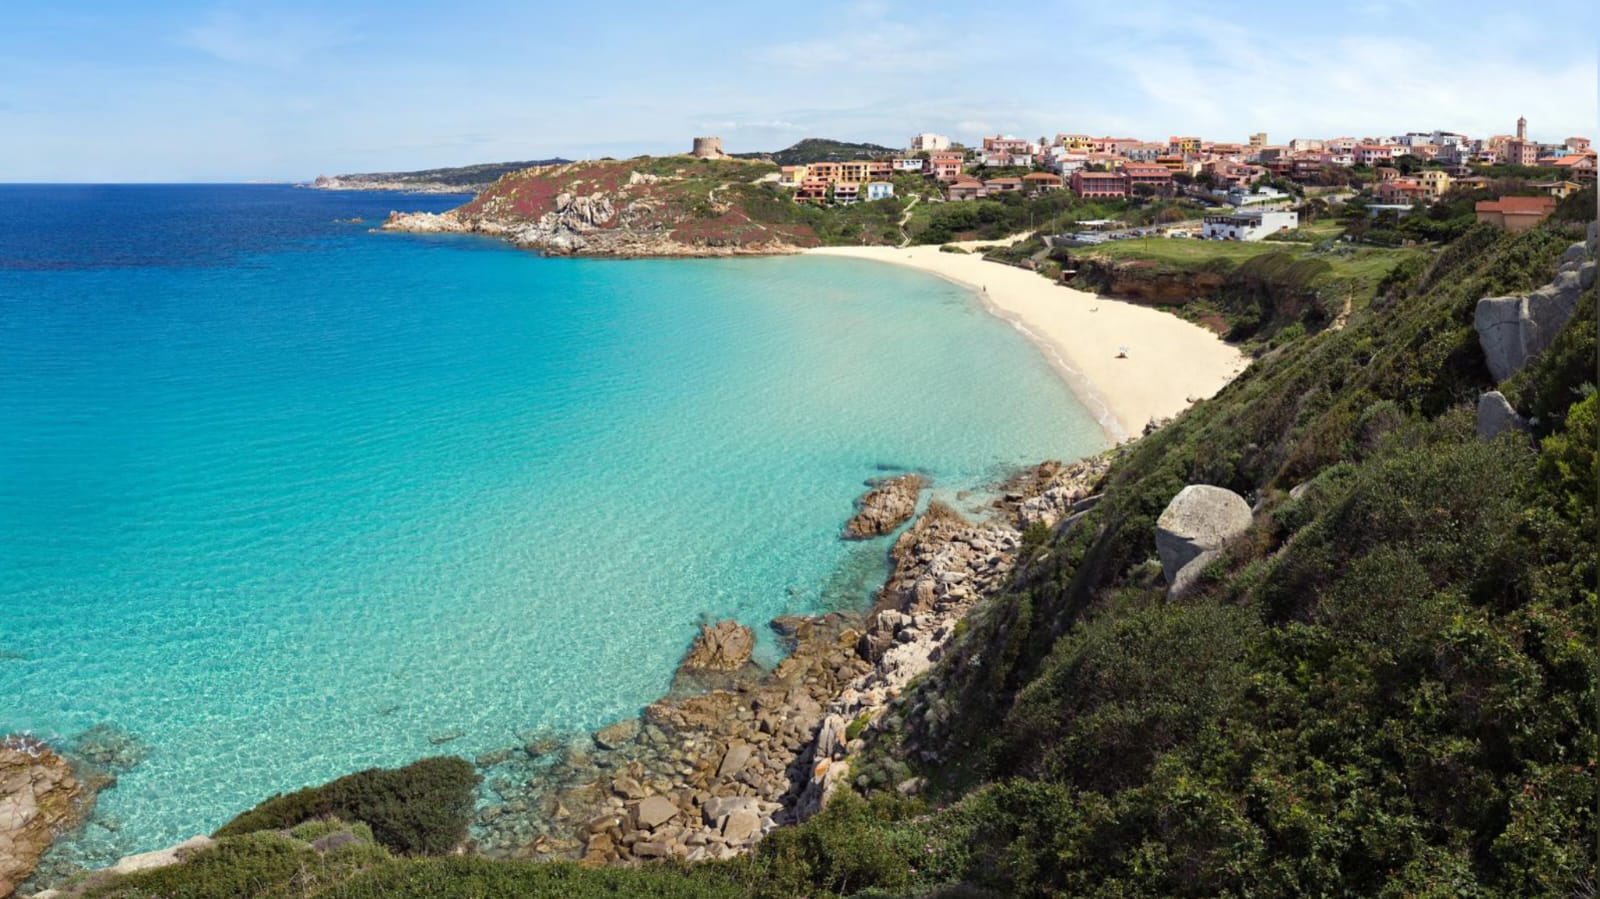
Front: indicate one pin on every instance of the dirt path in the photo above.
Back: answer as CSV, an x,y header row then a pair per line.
x,y
905,236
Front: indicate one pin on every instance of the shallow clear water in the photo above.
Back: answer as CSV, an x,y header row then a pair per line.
x,y
285,498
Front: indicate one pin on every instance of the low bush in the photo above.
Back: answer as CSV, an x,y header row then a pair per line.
x,y
423,808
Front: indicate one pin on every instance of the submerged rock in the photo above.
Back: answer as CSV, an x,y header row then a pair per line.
x,y
889,504
723,646
39,798
617,735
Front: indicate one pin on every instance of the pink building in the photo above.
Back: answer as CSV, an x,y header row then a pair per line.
x,y
1370,154
944,166
1110,185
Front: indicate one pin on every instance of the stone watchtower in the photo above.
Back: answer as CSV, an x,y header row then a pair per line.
x,y
1522,130
708,148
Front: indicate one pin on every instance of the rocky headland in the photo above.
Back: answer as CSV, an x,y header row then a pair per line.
x,y
467,179
677,206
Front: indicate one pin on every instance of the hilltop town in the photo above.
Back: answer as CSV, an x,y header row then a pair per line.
x,y
1073,190
1393,173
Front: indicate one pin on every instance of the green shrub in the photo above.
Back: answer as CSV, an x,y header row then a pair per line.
x,y
423,808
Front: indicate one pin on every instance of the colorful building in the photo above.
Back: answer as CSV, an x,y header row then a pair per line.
x,y
1435,182
944,166
1040,182
1515,213
1113,185
966,188
1145,177
1183,146
1559,189
879,190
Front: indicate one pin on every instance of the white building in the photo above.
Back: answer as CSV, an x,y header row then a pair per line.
x,y
879,190
1249,225
1239,196
930,143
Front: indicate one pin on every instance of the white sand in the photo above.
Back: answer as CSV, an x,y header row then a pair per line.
x,y
1170,365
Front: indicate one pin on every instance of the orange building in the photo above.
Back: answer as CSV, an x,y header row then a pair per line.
x,y
1515,213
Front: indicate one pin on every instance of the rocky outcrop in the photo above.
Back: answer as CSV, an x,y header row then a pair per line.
x,y
425,223
161,858
1512,330
1056,492
890,503
1495,416
1199,520
39,799
723,646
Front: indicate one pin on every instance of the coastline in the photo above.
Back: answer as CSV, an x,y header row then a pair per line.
x,y
1171,363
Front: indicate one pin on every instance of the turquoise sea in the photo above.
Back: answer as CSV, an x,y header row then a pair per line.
x,y
282,498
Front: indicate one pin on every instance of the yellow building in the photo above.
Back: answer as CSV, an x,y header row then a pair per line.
x,y
1435,182
1075,143
1183,146
1259,139
1559,189
791,175
854,172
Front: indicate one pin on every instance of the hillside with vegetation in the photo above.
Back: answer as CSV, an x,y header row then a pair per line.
x,y
821,149
454,180
663,206
1384,685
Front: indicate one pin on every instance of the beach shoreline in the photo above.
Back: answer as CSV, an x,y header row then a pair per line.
x,y
1170,363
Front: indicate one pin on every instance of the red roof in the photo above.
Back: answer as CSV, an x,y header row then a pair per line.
x,y
1517,205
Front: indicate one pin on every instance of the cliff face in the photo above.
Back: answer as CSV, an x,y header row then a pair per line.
x,y
1259,296
642,207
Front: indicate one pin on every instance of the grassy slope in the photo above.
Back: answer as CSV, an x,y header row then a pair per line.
x,y
1384,687
1259,276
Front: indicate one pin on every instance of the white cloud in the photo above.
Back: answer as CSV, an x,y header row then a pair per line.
x,y
264,39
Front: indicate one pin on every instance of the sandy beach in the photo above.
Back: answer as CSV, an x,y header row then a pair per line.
x,y
1170,363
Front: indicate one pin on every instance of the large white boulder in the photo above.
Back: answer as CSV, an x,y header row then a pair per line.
x,y
1199,519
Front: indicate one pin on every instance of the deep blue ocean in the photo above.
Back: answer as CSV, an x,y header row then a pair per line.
x,y
282,498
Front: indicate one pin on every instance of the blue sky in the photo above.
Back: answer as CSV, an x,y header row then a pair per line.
x,y
153,90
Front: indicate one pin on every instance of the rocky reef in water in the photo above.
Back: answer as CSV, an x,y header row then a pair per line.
x,y
706,773
40,798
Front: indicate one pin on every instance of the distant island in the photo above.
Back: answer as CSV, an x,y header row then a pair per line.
x,y
457,180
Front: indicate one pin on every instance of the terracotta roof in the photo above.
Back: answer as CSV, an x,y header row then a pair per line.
x,y
1517,205
1040,176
